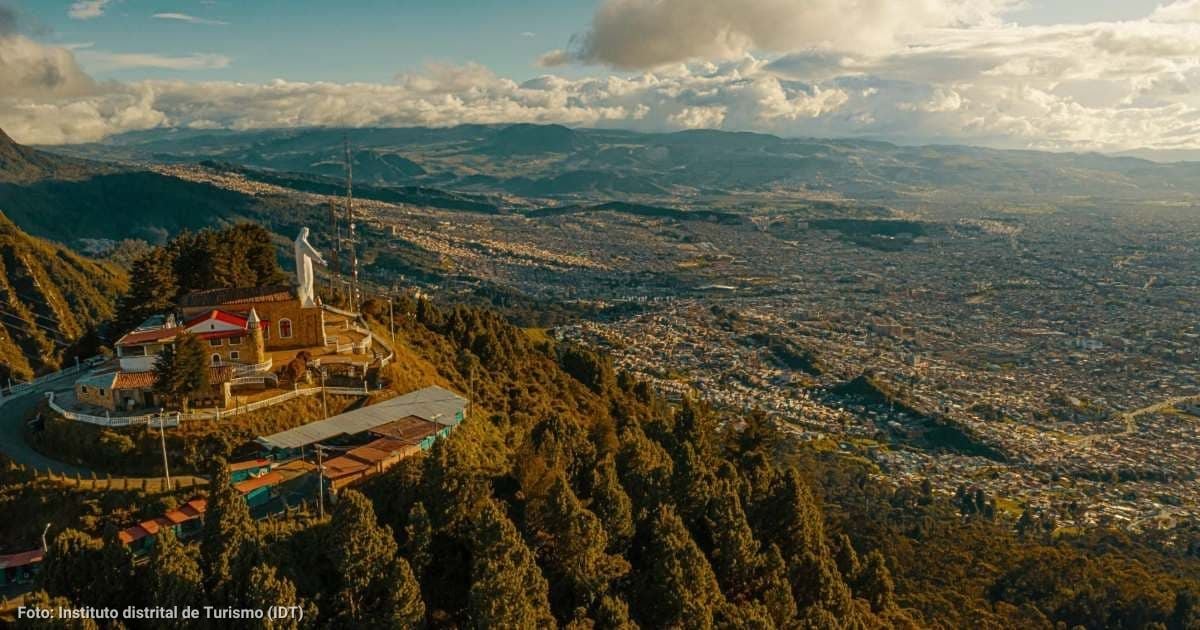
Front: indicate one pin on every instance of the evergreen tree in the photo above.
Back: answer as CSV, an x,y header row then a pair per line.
x,y
507,589
265,588
418,536
693,485
362,553
875,583
174,577
645,470
847,559
791,518
677,588
816,583
71,567
613,614
227,534
776,589
572,547
117,570
152,289
182,370
402,606
735,553
612,506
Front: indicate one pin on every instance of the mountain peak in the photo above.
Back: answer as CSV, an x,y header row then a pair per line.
x,y
22,165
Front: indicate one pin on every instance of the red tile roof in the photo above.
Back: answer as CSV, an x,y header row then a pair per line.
x,y
25,558
226,317
145,380
140,337
250,463
250,485
135,380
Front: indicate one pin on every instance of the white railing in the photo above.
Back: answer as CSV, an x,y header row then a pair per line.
x,y
25,387
153,420
242,369
255,380
339,311
174,419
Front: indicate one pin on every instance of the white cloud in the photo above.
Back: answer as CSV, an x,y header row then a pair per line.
x,y
191,19
960,76
105,60
633,34
87,9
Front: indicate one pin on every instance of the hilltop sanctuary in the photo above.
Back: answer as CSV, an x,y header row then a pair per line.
x,y
245,330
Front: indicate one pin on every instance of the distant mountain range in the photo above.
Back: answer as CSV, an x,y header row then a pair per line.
x,y
698,168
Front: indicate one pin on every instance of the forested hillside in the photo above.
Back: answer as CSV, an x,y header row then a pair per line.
x,y
573,496
50,298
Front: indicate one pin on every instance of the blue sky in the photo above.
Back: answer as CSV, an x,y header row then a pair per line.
x,y
372,40
307,40
1095,75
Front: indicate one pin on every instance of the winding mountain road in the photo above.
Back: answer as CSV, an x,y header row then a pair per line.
x,y
13,410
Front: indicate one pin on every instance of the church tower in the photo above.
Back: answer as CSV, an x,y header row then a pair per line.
x,y
258,349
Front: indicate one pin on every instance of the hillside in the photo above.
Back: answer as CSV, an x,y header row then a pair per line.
x,y
64,198
49,297
574,497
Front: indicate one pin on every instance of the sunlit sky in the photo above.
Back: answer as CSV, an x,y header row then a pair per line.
x,y
1108,75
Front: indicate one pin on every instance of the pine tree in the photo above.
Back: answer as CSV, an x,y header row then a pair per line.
x,y
612,506
816,583
418,536
174,576
645,469
847,559
875,583
71,566
117,570
152,289
735,553
507,589
265,588
572,548
182,370
791,518
362,553
402,606
227,534
693,485
677,587
775,588
613,614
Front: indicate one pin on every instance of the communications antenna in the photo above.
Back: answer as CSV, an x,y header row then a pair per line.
x,y
351,238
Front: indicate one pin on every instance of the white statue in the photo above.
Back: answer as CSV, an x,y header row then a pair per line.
x,y
305,255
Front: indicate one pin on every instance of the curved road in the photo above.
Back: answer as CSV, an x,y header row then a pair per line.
x,y
12,442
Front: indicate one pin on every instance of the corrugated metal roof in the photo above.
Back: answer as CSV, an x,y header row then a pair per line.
x,y
432,403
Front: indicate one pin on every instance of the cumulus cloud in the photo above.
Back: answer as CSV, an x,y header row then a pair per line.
x,y
191,19
87,9
635,34
959,76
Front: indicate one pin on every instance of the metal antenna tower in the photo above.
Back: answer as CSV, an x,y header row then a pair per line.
x,y
351,239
